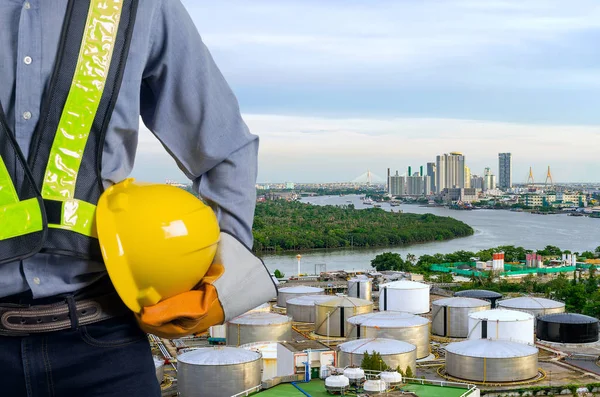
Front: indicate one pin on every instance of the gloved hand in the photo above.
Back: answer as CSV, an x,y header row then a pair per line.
x,y
236,282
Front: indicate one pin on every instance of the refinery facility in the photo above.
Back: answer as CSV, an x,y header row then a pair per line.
x,y
392,337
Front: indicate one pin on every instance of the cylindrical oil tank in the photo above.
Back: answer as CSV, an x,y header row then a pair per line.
x,y
402,326
502,324
217,371
567,328
394,353
268,351
331,316
484,294
450,316
286,293
264,308
360,287
485,360
404,296
220,331
302,308
533,305
258,327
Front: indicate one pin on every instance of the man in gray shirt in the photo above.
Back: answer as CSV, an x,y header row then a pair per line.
x,y
171,81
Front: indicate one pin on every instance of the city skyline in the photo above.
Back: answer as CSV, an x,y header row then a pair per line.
x,y
334,89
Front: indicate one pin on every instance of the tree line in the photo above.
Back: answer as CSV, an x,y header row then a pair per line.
x,y
281,225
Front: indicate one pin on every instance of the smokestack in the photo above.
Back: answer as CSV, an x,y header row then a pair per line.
x,y
388,181
409,170
422,174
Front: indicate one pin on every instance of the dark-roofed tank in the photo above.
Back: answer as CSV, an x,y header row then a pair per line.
x,y
567,328
480,294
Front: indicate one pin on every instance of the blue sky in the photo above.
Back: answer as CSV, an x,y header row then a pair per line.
x,y
337,87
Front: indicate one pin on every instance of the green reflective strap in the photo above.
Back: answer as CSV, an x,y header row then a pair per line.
x,y
8,194
20,218
78,216
86,90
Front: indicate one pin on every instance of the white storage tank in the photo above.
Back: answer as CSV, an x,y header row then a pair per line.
x,y
392,378
331,316
217,371
402,326
264,308
355,375
450,316
394,353
404,296
360,287
502,324
337,384
268,351
532,305
374,386
220,331
302,309
286,293
258,327
485,360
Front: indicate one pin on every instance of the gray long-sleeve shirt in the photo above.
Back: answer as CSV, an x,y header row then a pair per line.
x,y
171,81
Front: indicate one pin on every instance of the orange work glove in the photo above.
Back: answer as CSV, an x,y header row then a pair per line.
x,y
236,282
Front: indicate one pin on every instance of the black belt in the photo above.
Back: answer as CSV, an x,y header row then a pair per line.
x,y
22,320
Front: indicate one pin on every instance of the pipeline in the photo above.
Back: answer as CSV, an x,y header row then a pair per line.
x,y
300,390
164,351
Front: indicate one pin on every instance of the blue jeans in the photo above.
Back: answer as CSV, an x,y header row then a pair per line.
x,y
108,358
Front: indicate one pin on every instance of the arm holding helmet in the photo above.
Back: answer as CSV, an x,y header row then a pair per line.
x,y
187,104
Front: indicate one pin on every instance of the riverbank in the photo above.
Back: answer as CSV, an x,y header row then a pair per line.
x,y
492,228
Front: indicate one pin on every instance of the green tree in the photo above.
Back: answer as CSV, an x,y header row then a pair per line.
x,y
278,274
409,372
389,261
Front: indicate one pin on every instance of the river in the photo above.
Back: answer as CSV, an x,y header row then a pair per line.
x,y
492,228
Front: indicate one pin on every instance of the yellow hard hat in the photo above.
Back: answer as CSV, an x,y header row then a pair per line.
x,y
157,240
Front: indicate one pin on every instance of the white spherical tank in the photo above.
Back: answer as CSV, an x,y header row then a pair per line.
x,y
331,317
486,360
374,386
450,316
533,305
217,372
404,296
360,287
402,326
258,327
501,324
302,309
392,378
337,384
394,353
286,293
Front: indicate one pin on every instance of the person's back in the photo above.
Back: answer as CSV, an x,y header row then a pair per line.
x,y
75,77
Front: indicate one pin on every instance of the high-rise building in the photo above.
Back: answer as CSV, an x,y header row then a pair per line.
x,y
489,180
505,170
477,182
397,185
467,177
431,175
387,181
450,171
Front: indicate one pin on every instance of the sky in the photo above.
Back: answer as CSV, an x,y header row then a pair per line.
x,y
335,88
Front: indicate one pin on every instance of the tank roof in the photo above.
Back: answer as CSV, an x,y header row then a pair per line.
x,y
360,280
488,348
501,315
460,302
568,318
383,346
301,289
530,302
388,319
309,300
344,301
478,293
405,284
222,355
261,318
